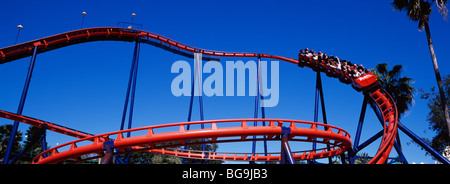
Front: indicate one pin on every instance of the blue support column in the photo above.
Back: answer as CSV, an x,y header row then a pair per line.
x,y
12,136
322,101
196,77
286,153
191,102
130,80
258,97
324,113
198,58
358,130
133,90
260,92
131,87
401,156
319,97
255,114
316,101
398,148
316,104
109,152
397,145
422,143
360,123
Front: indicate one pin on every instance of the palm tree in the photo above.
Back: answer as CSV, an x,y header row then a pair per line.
x,y
398,87
420,10
363,158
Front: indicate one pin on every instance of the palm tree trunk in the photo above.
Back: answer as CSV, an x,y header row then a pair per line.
x,y
438,77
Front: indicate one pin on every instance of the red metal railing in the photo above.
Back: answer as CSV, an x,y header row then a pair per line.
x,y
338,139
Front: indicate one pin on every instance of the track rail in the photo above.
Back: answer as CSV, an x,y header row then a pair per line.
x,y
337,138
40,123
388,109
22,50
367,83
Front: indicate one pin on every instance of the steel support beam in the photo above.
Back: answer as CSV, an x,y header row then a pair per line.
x,y
286,153
39,136
319,97
423,144
259,97
13,134
131,87
362,116
109,152
133,90
197,77
130,82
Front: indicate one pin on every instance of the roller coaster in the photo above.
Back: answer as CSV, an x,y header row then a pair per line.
x,y
105,146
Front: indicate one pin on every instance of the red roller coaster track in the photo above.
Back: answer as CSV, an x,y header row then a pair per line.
x,y
340,137
339,140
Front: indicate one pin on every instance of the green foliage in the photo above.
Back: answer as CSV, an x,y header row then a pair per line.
x,y
155,158
436,118
208,147
363,158
398,87
34,150
420,10
417,10
151,158
5,132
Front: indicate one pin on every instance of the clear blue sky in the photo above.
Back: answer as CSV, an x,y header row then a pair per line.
x,y
83,86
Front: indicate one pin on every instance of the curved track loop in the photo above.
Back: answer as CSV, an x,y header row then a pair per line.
x,y
337,138
388,109
40,123
368,82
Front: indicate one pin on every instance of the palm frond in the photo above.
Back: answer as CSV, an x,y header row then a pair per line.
x,y
416,10
398,87
395,72
441,4
382,68
400,4
406,80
